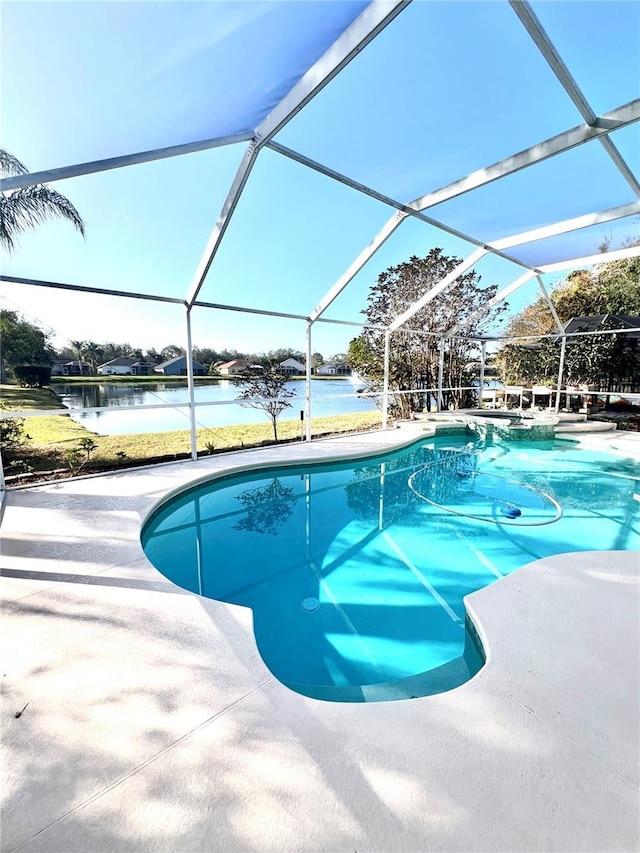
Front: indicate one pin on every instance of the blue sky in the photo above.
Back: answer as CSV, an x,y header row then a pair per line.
x,y
448,88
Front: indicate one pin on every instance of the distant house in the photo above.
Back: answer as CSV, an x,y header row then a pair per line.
x,y
121,366
626,379
233,367
63,366
628,346
142,368
598,321
333,368
57,365
178,367
292,367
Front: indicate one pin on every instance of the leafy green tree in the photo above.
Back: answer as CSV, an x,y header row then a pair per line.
x,y
611,288
205,356
265,389
317,360
414,355
23,343
275,356
152,356
23,209
171,351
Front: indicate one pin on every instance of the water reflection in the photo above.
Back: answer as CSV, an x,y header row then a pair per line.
x,y
329,397
268,507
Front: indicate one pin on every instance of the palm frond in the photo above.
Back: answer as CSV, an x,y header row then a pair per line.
x,y
10,165
31,206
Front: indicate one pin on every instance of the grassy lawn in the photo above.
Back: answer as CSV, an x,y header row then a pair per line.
x,y
52,436
22,399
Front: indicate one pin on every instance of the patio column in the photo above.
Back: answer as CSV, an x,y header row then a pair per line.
x,y
308,384
192,407
483,361
440,373
563,347
385,380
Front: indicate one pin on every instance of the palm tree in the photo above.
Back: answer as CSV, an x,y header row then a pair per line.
x,y
93,352
79,349
30,206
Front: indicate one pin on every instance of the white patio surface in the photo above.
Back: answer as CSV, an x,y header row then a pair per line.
x,y
152,724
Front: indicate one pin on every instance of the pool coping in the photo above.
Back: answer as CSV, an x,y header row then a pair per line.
x,y
219,755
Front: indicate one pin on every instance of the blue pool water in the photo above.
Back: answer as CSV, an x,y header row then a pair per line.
x,y
356,571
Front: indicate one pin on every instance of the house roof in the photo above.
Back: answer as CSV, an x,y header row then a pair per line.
x,y
596,321
235,362
590,323
176,360
120,361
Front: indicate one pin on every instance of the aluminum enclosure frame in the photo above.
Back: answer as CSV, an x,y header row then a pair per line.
x,y
373,20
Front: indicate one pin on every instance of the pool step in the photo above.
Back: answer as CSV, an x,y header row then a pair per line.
x,y
586,426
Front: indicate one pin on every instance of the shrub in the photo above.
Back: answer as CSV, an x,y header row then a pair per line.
x,y
12,433
32,375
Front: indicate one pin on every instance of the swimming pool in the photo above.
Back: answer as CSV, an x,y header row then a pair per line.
x,y
356,571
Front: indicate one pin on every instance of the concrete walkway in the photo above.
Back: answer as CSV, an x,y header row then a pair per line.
x,y
152,724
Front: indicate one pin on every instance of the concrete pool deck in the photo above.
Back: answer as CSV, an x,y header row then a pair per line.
x,y
152,724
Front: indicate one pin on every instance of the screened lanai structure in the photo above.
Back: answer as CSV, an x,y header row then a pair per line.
x,y
246,170
394,640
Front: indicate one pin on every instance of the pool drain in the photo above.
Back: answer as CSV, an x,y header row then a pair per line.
x,y
310,604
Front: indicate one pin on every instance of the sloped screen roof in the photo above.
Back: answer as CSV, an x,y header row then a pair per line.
x,y
259,154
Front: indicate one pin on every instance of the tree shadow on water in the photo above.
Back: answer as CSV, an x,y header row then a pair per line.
x,y
268,507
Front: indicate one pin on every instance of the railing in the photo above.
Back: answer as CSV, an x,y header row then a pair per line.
x,y
495,397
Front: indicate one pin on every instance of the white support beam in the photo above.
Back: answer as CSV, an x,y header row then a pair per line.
x,y
591,260
231,201
563,349
544,44
484,309
437,289
375,17
406,209
373,20
385,379
308,383
541,39
580,222
551,306
80,288
483,364
381,237
190,386
49,176
618,118
621,164
441,343
568,225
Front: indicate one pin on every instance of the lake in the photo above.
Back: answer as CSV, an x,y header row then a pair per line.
x,y
328,397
